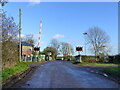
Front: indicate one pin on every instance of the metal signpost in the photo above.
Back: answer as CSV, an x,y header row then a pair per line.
x,y
37,49
79,49
85,41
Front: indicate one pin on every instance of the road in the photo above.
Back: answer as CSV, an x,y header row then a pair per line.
x,y
63,74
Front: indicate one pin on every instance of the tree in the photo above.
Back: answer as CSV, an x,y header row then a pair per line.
x,y
54,43
9,44
98,40
2,2
9,28
50,51
29,39
66,49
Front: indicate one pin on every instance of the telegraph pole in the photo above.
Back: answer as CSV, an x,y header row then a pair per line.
x,y
20,14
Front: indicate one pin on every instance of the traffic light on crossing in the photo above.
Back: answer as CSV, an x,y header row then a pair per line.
x,y
79,48
36,48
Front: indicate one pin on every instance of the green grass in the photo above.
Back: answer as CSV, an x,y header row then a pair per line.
x,y
0,77
37,62
8,72
59,57
86,63
113,71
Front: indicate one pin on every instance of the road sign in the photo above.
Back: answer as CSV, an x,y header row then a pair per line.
x,y
36,49
79,49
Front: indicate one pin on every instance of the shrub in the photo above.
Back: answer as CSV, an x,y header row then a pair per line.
x,y
114,59
117,59
101,60
87,58
92,61
9,54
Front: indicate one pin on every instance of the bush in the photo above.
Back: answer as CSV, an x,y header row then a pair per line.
x,y
114,59
92,61
73,58
9,54
117,59
110,59
101,60
66,58
87,58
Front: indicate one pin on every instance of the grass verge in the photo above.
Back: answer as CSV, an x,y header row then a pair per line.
x,y
86,63
37,62
114,71
8,72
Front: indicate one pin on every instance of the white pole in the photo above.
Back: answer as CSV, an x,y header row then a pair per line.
x,y
85,41
40,34
70,53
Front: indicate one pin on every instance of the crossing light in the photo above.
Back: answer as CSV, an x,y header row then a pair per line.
x,y
79,48
36,49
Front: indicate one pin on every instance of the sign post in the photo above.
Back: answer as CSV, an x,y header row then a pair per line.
x,y
79,49
31,57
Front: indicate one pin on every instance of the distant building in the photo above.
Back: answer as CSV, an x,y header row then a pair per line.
x,y
26,49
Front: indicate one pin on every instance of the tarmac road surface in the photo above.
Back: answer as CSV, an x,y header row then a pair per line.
x,y
63,74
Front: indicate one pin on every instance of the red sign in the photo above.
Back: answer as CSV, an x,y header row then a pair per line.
x,y
79,48
36,49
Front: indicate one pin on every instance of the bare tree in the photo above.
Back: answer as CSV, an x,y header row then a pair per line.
x,y
9,28
29,39
2,2
98,40
54,43
66,49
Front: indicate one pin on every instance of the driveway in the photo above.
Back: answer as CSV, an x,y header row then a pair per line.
x,y
63,74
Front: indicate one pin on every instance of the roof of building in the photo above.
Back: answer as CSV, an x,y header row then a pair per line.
x,y
26,44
